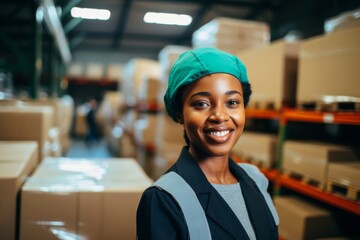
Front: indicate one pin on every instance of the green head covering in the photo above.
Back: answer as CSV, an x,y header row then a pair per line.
x,y
194,64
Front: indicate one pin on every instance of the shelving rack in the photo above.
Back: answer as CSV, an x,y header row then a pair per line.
x,y
282,181
30,52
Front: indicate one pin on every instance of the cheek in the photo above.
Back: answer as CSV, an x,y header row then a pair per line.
x,y
193,121
239,119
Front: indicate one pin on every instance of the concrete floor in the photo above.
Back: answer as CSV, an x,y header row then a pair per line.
x,y
78,149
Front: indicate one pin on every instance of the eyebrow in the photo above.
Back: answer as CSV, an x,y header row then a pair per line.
x,y
207,94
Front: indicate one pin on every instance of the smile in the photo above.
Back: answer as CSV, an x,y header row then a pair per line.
x,y
220,133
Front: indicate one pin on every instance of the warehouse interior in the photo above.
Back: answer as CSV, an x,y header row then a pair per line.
x,y
84,130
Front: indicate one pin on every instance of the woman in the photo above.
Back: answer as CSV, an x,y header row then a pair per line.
x,y
207,93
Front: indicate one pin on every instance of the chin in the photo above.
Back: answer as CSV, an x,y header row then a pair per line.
x,y
218,151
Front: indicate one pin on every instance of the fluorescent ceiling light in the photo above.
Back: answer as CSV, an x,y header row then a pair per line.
x,y
90,13
167,18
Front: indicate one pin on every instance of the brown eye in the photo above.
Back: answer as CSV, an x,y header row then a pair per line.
x,y
233,103
201,104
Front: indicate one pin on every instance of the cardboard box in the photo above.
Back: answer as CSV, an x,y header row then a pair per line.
x,y
163,159
99,169
346,173
17,162
231,35
19,151
346,20
300,220
272,71
76,69
81,127
144,129
135,71
48,208
26,123
82,198
168,131
109,112
258,148
67,106
150,90
167,57
111,213
94,71
311,159
115,72
328,66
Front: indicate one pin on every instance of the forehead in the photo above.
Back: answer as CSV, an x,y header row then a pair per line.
x,y
219,83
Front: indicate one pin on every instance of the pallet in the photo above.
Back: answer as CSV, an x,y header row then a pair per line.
x,y
347,191
330,107
304,179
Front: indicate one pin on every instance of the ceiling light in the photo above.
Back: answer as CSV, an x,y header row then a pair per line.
x,y
90,13
167,18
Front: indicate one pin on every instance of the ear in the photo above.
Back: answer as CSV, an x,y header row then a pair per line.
x,y
179,118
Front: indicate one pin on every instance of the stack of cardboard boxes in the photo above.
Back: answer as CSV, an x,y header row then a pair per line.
x,y
329,71
232,35
272,71
311,159
31,123
18,159
135,71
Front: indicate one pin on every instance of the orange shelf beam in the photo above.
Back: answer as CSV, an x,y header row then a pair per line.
x,y
352,118
314,192
263,114
270,174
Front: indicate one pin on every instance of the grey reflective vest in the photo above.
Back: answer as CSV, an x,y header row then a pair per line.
x,y
193,212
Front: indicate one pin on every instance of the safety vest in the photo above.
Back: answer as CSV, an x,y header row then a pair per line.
x,y
194,214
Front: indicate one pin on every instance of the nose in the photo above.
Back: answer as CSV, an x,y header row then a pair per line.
x,y
219,115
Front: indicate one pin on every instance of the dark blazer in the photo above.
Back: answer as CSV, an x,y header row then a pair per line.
x,y
160,217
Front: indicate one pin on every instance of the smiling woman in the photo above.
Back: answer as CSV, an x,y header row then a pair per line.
x,y
205,195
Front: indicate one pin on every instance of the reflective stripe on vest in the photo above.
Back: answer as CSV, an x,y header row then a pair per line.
x,y
185,196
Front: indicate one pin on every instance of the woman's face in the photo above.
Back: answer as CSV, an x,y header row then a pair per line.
x,y
213,114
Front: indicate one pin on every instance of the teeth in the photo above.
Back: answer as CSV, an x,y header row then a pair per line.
x,y
220,133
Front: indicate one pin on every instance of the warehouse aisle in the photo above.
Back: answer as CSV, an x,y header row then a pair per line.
x,y
79,149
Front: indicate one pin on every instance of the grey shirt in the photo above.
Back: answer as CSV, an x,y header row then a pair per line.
x,y
234,198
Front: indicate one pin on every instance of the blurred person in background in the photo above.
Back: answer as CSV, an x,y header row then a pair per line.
x,y
205,194
92,135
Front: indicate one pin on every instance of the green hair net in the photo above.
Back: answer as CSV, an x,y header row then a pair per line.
x,y
194,64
